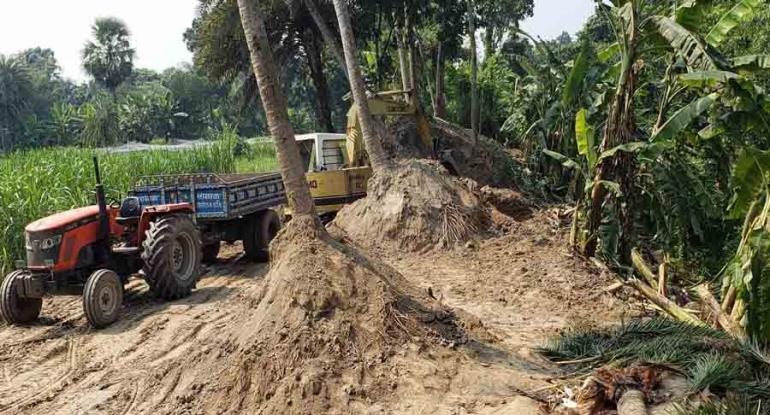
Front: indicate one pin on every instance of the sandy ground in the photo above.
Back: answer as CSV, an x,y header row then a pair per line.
x,y
522,286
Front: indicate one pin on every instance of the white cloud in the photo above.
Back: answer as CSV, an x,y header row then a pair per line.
x,y
64,26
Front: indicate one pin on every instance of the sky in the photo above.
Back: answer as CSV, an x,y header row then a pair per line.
x,y
65,25
552,17
157,26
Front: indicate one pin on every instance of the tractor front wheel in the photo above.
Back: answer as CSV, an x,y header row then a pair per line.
x,y
102,298
172,257
13,308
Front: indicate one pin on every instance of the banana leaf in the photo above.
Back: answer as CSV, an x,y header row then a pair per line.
x,y
751,62
684,117
741,12
584,135
707,79
696,53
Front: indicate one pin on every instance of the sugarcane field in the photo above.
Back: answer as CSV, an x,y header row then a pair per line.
x,y
455,207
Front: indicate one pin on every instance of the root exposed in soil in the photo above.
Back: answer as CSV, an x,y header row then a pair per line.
x,y
418,206
321,331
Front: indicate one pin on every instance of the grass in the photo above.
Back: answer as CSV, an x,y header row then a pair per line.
x,y
258,157
36,183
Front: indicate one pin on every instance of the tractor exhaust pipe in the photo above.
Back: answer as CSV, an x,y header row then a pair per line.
x,y
101,201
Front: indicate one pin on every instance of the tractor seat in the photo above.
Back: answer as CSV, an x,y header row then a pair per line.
x,y
130,211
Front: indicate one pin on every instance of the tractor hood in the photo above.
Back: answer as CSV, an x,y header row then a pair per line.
x,y
63,219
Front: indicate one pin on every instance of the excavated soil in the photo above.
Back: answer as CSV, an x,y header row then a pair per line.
x,y
446,332
417,206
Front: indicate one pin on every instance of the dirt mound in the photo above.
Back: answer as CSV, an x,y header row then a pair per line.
x,y
320,332
487,163
507,201
418,206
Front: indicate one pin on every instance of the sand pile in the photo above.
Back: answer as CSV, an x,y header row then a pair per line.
x,y
418,206
318,337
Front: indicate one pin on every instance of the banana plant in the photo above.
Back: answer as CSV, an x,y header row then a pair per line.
x,y
746,277
675,38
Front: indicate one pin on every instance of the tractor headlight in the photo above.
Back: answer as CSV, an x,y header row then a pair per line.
x,y
51,242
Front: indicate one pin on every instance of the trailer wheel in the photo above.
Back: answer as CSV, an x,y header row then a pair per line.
x,y
102,298
261,229
211,252
15,309
172,257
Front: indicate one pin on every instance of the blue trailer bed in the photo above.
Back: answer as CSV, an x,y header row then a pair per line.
x,y
215,197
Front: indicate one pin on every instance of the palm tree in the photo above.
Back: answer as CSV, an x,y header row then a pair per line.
x,y
377,156
474,72
330,38
109,57
274,103
16,91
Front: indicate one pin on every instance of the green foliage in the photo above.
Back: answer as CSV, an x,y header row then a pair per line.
x,y
742,11
147,111
100,122
684,117
16,90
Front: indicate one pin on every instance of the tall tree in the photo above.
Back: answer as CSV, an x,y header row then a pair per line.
x,y
274,103
16,91
314,55
474,71
109,57
330,38
377,156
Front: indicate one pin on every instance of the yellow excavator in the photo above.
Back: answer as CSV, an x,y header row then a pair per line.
x,y
337,165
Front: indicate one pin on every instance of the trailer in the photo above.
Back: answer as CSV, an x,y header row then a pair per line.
x,y
163,231
227,207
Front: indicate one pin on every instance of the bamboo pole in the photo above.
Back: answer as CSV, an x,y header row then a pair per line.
x,y
641,266
664,303
663,278
726,322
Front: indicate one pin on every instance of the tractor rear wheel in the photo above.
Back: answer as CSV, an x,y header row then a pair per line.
x,y
211,252
172,257
102,298
261,229
13,308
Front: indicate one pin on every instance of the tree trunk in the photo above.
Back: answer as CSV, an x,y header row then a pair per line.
x,y
315,64
377,156
619,129
439,105
406,83
474,73
632,403
489,42
274,103
326,32
412,56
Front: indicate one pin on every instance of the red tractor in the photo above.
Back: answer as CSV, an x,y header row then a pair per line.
x,y
95,249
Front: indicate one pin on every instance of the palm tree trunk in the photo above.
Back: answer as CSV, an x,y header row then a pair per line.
x,y
315,64
377,156
326,32
405,73
274,103
439,105
474,73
